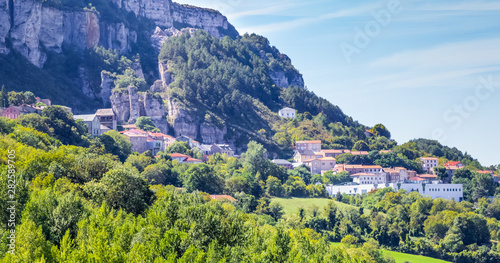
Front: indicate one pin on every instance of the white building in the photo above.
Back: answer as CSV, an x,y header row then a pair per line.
x,y
428,163
369,178
287,113
92,122
433,190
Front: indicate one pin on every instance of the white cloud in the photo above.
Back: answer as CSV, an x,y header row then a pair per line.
x,y
463,6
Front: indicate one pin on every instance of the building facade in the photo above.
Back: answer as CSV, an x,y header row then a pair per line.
x,y
287,113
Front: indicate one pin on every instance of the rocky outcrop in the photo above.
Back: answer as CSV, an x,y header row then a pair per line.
x,y
38,29
117,36
281,79
159,36
209,20
4,25
130,105
166,76
212,134
107,85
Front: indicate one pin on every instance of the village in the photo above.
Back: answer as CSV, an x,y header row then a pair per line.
x,y
364,178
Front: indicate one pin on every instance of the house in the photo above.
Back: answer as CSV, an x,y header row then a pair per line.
x,y
395,175
209,149
302,155
458,165
308,145
428,163
44,101
385,151
139,142
226,149
287,113
155,144
356,168
333,153
284,163
192,143
179,157
14,112
318,165
368,133
369,178
107,118
92,122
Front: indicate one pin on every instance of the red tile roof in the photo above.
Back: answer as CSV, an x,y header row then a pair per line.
x,y
177,155
452,163
417,179
484,172
427,176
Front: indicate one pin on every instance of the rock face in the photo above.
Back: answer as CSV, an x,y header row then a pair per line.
x,y
207,19
281,79
34,28
107,85
4,25
131,105
117,36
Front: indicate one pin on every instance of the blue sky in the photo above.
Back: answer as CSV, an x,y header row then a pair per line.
x,y
425,69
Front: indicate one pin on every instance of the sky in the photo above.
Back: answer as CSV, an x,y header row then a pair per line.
x,y
424,69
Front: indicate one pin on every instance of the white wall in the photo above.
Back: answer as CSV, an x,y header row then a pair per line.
x,y
446,191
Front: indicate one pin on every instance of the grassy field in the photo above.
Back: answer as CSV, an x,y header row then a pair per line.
x,y
291,205
402,257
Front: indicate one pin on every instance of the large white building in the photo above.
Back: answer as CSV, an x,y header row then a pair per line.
x,y
287,113
433,190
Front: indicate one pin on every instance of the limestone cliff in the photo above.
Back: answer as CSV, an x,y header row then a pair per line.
x,y
35,28
130,105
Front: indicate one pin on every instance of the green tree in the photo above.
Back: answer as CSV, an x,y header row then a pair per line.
x,y
16,98
179,147
276,210
273,186
116,144
361,146
255,158
64,127
483,186
29,97
121,188
4,96
381,130
146,124
203,178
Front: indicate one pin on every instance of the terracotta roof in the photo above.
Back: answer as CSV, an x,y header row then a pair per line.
x,y
333,151
129,126
386,151
318,141
429,158
223,197
176,155
417,179
327,159
453,164
193,160
484,172
369,131
310,160
427,176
